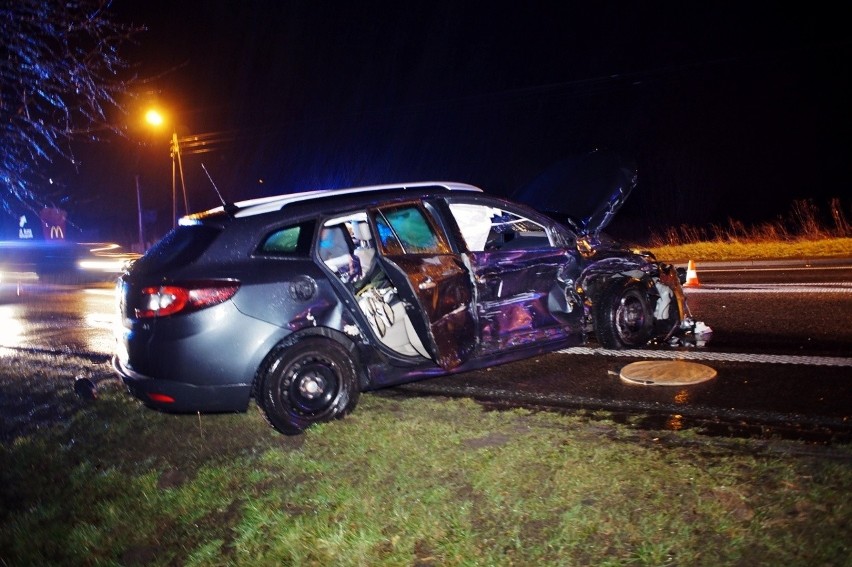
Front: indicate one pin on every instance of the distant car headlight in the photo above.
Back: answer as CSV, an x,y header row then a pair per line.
x,y
106,264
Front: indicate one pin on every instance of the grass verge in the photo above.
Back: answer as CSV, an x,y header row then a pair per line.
x,y
805,232
730,251
404,481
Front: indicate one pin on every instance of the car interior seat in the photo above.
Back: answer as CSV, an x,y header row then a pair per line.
x,y
366,249
335,250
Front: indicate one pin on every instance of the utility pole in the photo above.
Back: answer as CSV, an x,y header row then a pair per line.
x,y
139,209
176,160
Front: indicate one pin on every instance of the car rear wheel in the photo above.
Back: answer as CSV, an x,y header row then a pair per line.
x,y
310,381
623,316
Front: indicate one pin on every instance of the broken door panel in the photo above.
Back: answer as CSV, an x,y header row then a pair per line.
x,y
524,296
434,282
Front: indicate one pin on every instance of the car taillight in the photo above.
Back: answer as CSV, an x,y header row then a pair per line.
x,y
161,398
165,300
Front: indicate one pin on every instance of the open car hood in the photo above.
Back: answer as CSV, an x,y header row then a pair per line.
x,y
584,191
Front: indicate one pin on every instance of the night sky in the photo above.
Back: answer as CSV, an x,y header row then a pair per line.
x,y
730,109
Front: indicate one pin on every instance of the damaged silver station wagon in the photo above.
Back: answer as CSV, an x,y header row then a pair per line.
x,y
305,300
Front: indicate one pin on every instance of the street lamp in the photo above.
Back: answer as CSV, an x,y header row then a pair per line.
x,y
155,118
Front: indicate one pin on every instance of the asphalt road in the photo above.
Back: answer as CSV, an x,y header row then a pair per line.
x,y
781,347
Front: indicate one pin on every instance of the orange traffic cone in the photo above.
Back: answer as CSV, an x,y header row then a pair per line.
x,y
691,276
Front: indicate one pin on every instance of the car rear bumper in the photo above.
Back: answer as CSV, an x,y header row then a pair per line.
x,y
179,397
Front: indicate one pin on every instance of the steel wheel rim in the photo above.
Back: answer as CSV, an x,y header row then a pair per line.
x,y
630,317
311,386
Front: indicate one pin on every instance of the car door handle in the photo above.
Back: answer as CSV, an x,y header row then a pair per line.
x,y
426,284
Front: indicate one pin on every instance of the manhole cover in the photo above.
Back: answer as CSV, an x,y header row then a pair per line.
x,y
666,373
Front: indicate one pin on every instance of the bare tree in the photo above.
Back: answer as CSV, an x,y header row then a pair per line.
x,y
60,76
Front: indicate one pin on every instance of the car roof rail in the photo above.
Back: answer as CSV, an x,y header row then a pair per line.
x,y
261,205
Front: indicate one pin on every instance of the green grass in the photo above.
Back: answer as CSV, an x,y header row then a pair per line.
x,y
409,481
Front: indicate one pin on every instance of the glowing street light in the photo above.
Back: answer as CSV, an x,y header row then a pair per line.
x,y
156,119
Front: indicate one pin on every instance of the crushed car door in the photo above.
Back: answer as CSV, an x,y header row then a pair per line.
x,y
431,279
524,291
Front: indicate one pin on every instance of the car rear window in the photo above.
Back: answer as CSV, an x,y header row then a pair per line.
x,y
179,247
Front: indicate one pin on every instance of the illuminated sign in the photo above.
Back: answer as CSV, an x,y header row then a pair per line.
x,y
53,223
23,230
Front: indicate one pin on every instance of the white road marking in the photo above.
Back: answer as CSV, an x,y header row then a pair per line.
x,y
773,269
821,287
714,356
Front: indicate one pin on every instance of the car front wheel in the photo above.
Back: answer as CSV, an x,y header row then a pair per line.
x,y
623,317
310,381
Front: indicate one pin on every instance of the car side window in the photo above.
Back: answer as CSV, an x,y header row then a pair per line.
x,y
405,229
288,241
485,227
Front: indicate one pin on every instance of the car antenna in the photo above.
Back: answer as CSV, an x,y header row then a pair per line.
x,y
230,208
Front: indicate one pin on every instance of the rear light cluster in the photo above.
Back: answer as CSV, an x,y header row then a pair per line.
x,y
165,300
161,398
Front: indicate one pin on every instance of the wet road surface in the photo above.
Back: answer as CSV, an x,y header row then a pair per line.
x,y
782,347
71,319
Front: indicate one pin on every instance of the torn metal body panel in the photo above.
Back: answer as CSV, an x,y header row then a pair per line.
x,y
520,297
660,283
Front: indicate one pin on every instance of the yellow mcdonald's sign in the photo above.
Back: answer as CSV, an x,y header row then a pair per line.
x,y
53,223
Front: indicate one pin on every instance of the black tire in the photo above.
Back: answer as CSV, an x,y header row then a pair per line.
x,y
623,317
310,381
